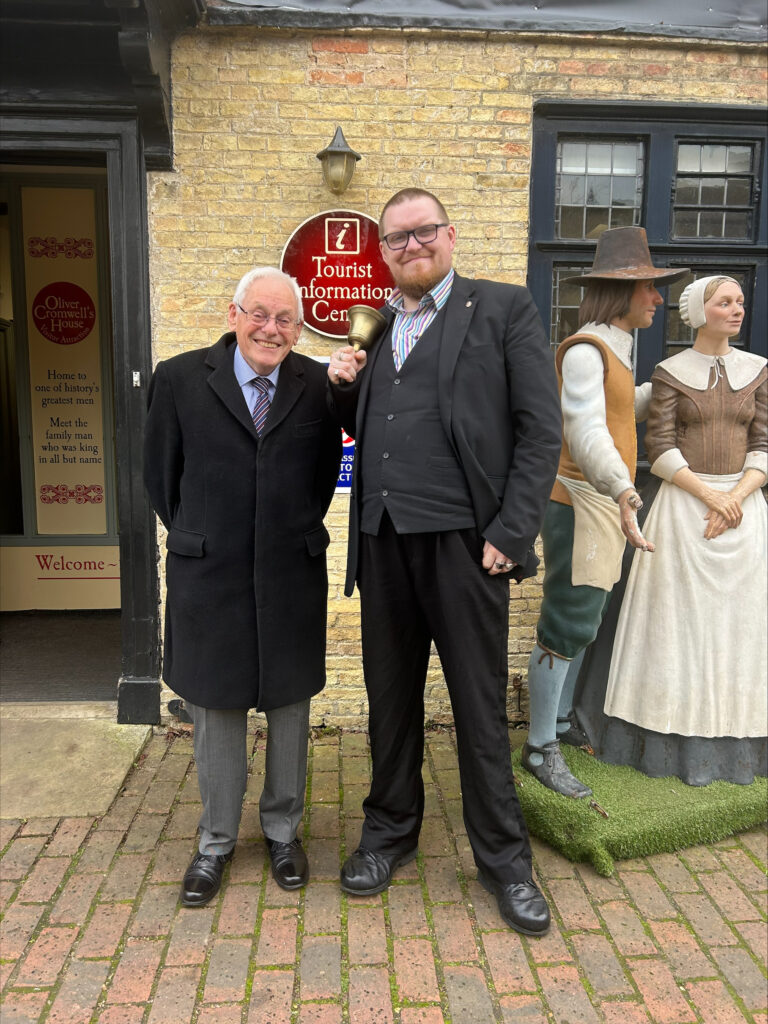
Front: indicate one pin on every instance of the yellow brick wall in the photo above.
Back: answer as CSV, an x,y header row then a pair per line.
x,y
449,112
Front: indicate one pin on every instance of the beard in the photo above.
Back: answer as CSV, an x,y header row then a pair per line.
x,y
417,282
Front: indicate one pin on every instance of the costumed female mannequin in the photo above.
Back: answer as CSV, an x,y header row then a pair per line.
x,y
592,508
687,692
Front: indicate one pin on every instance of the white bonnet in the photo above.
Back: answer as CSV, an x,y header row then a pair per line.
x,y
692,300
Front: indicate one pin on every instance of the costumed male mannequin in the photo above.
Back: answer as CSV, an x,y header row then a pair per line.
x,y
593,506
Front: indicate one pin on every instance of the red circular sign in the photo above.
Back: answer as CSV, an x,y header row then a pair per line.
x,y
336,260
63,312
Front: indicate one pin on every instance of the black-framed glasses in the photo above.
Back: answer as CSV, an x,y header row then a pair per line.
x,y
426,233
260,319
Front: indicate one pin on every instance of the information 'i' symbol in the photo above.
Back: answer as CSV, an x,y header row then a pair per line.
x,y
340,239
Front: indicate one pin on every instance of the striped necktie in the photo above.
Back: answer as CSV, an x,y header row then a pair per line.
x,y
261,408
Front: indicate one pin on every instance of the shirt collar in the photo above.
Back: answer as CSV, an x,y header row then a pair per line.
x,y
245,373
437,296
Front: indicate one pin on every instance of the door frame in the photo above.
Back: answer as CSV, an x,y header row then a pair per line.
x,y
116,143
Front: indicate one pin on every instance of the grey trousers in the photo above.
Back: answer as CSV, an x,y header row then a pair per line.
x,y
221,755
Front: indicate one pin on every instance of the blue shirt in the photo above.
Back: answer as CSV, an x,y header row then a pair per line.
x,y
245,374
409,325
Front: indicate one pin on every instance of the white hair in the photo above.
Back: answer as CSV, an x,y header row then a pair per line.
x,y
258,272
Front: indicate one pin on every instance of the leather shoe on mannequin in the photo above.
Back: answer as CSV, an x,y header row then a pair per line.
x,y
202,879
521,904
553,772
290,868
365,872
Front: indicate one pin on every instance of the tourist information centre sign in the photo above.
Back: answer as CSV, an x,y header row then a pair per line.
x,y
336,260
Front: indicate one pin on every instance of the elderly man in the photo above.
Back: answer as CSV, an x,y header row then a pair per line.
x,y
241,461
457,427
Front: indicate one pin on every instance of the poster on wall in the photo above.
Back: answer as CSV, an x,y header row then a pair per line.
x,y
65,372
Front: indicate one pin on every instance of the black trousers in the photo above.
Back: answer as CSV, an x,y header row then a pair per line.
x,y
416,588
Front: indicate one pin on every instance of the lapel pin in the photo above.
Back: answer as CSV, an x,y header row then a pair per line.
x,y
469,304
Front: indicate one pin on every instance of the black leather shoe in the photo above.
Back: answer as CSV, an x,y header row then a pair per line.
x,y
289,863
553,772
203,878
521,904
365,873
574,735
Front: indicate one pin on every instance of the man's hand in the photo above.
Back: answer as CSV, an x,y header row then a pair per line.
x,y
630,503
495,561
345,364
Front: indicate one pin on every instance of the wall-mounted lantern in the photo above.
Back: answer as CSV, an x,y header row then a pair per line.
x,y
338,162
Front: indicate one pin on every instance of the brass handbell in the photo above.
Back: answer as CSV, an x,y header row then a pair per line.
x,y
365,326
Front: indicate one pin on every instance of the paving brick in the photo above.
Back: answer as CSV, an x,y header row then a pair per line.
x,y
733,904
239,909
126,875
191,936
122,812
271,994
744,975
707,923
100,848
508,962
182,823
699,858
74,900
121,1015
442,881
43,880
623,1012
415,970
647,895
277,937
548,949
599,888
23,1007
104,930
406,910
434,840
8,829
522,1010
171,860
323,856
322,908
367,935
39,826
8,888
227,971
453,930
572,904
755,935
231,1013
144,832
601,965
322,1013
46,957
135,973
20,856
714,1003
79,993
627,929
420,1015
370,1000
757,842
682,950
742,867
324,821
566,995
663,999
320,967
468,997
549,863
673,873
156,910
69,837
17,928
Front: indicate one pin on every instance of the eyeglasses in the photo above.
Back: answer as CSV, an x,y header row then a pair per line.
x,y
260,319
399,239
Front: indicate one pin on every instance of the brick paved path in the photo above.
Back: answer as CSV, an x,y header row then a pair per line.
x,y
92,930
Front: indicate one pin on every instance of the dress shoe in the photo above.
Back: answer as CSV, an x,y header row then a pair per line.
x,y
574,735
203,878
521,905
289,863
365,872
553,772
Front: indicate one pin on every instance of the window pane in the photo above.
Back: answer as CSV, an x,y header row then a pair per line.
x,y
623,217
688,158
573,157
572,222
599,158
566,299
597,220
739,158
572,189
625,158
624,192
737,225
598,190
713,158
738,192
713,192
688,191
710,224
686,224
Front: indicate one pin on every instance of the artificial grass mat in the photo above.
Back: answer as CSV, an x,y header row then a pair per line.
x,y
642,815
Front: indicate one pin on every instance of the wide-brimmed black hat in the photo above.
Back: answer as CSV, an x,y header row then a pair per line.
x,y
622,254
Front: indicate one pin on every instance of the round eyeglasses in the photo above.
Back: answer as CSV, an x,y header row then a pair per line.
x,y
260,319
399,239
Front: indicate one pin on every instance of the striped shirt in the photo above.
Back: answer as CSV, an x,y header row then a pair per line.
x,y
409,325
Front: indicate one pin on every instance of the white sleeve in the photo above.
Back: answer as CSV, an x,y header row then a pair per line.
x,y
642,402
584,422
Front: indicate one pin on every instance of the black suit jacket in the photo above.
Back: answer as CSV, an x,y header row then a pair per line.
x,y
500,410
247,585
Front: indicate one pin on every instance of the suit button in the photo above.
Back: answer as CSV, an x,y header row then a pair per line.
x,y
390,417
385,455
385,494
396,380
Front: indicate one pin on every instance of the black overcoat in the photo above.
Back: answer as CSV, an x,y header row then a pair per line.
x,y
245,621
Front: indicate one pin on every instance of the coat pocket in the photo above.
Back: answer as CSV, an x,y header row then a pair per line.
x,y
317,540
308,429
184,542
